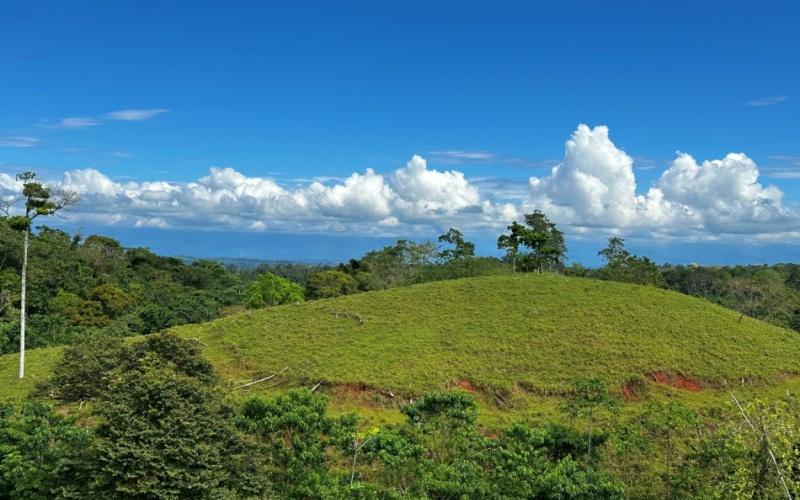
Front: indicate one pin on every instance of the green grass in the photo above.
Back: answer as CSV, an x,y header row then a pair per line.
x,y
537,332
519,340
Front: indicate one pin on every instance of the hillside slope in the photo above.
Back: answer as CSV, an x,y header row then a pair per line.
x,y
501,335
498,333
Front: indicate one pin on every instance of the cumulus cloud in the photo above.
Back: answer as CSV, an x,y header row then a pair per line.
x,y
595,187
363,203
593,190
134,115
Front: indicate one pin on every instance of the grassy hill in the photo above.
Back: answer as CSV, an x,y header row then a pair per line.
x,y
511,339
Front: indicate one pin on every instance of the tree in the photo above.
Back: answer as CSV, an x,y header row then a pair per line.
x,y
663,420
39,200
272,290
327,284
34,439
538,234
447,419
589,396
164,429
296,435
626,268
163,434
463,249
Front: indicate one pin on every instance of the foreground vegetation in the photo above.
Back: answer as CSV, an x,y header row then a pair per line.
x,y
149,419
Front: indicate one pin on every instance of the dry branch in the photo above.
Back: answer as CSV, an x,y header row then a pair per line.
x,y
261,379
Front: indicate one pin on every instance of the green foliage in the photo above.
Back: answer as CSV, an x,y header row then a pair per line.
x,y
271,290
626,268
295,433
463,249
447,420
736,460
33,441
545,241
164,435
164,430
167,348
665,422
589,396
85,371
759,291
113,300
329,284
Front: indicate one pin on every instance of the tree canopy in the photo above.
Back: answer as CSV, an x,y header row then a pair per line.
x,y
545,242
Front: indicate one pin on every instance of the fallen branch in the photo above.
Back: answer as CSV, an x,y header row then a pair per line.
x,y
261,379
315,387
276,384
198,341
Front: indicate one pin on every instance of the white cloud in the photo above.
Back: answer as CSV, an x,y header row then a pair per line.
x,y
462,157
8,185
766,101
90,182
593,191
19,141
361,196
363,203
134,115
595,187
77,122
423,190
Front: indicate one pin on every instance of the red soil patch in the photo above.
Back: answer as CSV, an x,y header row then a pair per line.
x,y
466,385
675,380
352,389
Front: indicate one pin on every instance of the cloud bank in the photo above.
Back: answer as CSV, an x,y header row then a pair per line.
x,y
366,203
594,187
592,191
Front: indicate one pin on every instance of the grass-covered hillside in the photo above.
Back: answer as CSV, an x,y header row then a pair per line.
x,y
498,333
504,337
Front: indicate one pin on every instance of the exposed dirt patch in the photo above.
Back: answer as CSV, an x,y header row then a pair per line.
x,y
675,380
352,389
466,385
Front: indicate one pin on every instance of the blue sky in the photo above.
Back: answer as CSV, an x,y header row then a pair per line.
x,y
320,130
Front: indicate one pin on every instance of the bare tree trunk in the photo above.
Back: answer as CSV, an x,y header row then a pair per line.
x,y
22,306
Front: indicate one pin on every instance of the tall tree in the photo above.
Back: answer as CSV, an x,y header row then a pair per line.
x,y
40,199
463,249
541,236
